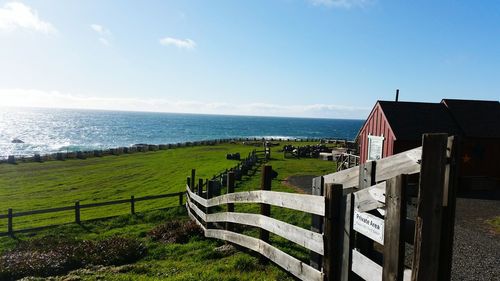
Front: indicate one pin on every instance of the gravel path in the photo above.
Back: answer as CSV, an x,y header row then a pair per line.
x,y
476,254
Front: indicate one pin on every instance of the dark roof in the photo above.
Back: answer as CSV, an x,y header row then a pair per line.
x,y
409,120
476,118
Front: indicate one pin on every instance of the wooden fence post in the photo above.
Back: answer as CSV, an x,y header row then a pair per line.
x,y
230,189
132,205
208,210
448,225
366,179
193,175
77,212
315,259
265,209
10,229
347,237
188,183
181,201
429,208
333,232
394,229
200,187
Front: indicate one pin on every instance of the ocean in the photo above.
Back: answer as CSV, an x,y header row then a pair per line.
x,y
44,131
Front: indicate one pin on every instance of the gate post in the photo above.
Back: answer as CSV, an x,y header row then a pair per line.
x,y
333,232
315,259
428,223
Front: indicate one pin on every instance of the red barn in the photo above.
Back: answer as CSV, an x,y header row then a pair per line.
x,y
394,127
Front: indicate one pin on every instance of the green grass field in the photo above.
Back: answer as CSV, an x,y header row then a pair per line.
x,y
30,186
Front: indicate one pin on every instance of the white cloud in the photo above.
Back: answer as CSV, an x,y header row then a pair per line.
x,y
341,3
16,15
104,34
179,43
38,98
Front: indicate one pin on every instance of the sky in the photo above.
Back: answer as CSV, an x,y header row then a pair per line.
x,y
300,58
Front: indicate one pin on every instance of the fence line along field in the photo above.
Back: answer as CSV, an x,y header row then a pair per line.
x,y
33,186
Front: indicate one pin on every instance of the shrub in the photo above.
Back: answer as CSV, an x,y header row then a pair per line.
x,y
176,232
55,255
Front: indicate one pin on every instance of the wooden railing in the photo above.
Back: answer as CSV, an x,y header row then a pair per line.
x,y
346,161
352,211
201,210
77,207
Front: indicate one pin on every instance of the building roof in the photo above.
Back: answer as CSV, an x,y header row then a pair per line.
x,y
475,118
409,120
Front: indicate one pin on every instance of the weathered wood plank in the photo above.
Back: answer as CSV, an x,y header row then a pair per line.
x,y
370,198
450,196
394,236
303,237
196,210
365,268
193,217
299,269
347,210
332,260
402,163
430,208
316,260
369,270
195,197
301,202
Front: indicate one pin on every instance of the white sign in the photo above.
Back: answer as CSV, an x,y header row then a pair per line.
x,y
375,144
369,225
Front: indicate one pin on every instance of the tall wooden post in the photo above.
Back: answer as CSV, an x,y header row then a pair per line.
x,y
10,229
428,223
394,230
132,205
347,237
315,259
366,179
200,187
333,232
265,209
77,212
193,176
208,210
230,189
449,202
181,200
188,183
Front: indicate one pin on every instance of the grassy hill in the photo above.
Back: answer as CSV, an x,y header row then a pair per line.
x,y
31,186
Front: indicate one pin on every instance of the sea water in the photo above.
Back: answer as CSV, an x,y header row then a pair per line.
x,y
45,130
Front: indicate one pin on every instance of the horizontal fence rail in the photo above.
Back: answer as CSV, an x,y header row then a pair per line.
x,y
407,162
300,202
77,207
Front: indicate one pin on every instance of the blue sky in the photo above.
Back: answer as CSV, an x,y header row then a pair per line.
x,y
307,58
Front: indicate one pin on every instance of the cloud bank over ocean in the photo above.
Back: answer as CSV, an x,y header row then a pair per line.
x,y
38,98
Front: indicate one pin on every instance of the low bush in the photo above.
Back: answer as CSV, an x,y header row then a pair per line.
x,y
176,232
56,255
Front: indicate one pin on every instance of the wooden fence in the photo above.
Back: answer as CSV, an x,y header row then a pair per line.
x,y
77,207
346,161
361,226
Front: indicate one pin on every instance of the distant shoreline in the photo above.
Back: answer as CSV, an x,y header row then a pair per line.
x,y
149,147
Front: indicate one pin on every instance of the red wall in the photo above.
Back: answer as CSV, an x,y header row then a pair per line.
x,y
376,124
